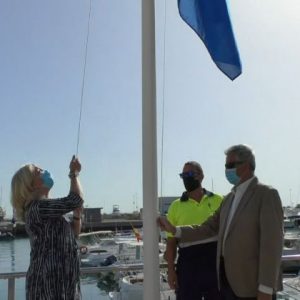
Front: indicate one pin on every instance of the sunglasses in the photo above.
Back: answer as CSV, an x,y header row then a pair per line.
x,y
233,165
187,174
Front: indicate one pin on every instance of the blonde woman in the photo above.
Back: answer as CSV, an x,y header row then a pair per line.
x,y
53,272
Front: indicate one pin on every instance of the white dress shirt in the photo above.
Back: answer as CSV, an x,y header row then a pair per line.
x,y
238,192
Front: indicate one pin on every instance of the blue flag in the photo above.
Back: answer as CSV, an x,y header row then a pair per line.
x,y
210,20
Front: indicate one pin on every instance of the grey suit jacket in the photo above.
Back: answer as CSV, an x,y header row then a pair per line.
x,y
254,242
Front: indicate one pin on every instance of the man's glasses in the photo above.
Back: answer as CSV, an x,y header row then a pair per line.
x,y
187,174
232,165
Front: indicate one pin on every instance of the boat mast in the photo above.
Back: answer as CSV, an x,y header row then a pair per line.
x,y
150,238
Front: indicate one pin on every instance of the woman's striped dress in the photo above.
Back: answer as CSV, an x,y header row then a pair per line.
x,y
53,272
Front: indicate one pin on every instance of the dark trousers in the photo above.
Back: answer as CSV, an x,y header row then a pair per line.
x,y
226,291
196,273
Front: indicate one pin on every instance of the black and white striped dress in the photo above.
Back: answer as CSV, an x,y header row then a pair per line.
x,y
53,272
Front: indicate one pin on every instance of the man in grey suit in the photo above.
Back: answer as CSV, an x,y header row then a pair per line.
x,y
249,225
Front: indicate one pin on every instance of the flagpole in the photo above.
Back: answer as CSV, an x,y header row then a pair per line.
x,y
150,237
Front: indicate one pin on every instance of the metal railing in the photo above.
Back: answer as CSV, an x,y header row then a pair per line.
x,y
12,276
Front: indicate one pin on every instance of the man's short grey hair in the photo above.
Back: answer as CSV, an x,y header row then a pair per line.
x,y
244,153
196,166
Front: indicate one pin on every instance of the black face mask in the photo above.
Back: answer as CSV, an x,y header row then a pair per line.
x,y
190,184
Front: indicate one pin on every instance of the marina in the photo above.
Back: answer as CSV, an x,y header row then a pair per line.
x,y
97,282
122,278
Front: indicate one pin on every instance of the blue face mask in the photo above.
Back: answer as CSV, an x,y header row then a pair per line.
x,y
232,177
47,179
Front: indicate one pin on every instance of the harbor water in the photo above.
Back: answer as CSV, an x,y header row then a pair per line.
x,y
14,257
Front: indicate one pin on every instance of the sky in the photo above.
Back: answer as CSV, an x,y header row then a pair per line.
x,y
41,71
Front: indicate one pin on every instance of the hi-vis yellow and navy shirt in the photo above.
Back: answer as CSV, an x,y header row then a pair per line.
x,y
192,212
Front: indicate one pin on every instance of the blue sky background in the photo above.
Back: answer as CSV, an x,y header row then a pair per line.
x,y
41,70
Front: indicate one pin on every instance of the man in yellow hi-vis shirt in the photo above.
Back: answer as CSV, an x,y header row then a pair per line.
x,y
194,276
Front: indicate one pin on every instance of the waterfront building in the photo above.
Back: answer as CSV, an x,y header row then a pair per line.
x,y
164,203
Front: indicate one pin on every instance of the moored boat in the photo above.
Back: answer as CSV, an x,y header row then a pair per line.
x,y
4,236
131,288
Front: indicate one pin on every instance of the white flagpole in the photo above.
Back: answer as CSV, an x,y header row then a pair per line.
x,y
150,207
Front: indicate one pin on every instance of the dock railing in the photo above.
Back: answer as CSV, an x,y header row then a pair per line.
x,y
12,276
